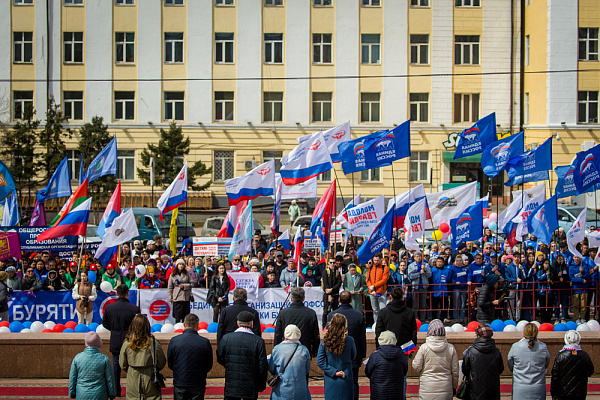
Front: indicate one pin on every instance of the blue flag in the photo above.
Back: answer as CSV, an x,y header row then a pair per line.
x,y
475,139
7,183
532,166
378,149
468,226
586,172
543,221
565,186
379,239
59,184
497,154
105,162
10,212
80,169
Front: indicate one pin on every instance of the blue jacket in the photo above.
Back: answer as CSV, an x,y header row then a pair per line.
x,y
475,273
293,384
190,358
458,276
440,279
542,286
91,376
590,264
419,280
577,277
489,269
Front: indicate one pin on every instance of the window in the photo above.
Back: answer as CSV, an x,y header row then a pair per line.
x,y
273,155
371,3
466,50
173,2
419,107
321,3
324,176
223,47
125,2
322,48
370,175
73,105
125,46
419,166
588,107
273,48
370,48
174,106
124,106
23,47
369,107
73,159
73,2
527,50
224,2
588,44
21,100
223,168
526,108
467,3
173,47
419,49
466,107
73,47
321,106
223,106
419,3
126,165
21,2
273,107
273,2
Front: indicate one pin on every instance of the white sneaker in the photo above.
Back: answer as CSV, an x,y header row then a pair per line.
x,y
578,322
562,321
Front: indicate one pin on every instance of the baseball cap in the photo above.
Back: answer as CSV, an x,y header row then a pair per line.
x,y
150,242
279,253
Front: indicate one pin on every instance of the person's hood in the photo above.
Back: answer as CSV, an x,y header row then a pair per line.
x,y
484,345
390,352
186,241
396,306
437,343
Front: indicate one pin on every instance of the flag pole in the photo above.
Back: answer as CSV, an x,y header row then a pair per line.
x,y
394,228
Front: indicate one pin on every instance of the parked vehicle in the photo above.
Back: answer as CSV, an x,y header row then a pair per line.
x,y
149,224
212,226
568,214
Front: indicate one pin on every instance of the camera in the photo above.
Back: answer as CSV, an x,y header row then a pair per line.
x,y
505,288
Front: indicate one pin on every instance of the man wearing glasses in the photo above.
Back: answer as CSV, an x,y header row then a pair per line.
x,y
331,283
31,282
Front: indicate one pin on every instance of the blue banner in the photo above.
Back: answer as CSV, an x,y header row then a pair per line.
x,y
379,239
7,183
543,221
475,139
58,307
565,186
532,166
63,246
496,155
586,173
105,162
468,226
59,184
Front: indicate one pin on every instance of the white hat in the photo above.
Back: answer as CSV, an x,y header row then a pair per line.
x,y
292,332
150,242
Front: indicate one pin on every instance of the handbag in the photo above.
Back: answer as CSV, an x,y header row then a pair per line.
x,y
157,378
462,392
274,380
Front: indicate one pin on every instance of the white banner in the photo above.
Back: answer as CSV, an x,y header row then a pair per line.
x,y
577,232
210,246
304,190
449,204
414,224
154,303
530,193
363,217
523,215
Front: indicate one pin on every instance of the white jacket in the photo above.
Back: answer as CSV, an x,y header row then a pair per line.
x,y
436,363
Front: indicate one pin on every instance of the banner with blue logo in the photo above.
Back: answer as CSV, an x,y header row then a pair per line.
x,y
532,166
468,226
63,246
586,173
475,139
565,185
58,307
497,154
543,221
379,239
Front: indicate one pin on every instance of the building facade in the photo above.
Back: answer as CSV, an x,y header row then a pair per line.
x,y
245,78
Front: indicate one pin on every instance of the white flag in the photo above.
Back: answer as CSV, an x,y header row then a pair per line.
x,y
449,204
594,239
521,217
509,213
577,232
304,190
122,230
343,217
414,224
530,193
363,218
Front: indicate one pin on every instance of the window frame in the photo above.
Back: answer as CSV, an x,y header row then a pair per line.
x,y
588,106
526,108
366,176
322,104
223,161
271,104
73,43
73,161
223,51
124,105
174,3
321,3
271,51
415,159
471,108
420,4
276,157
324,176
124,3
72,3
472,5
22,2
173,44
418,46
369,47
73,104
172,105
23,46
372,105
472,46
125,45
221,3
23,102
319,47
121,164
223,105
369,3
273,3
418,104
527,60
587,41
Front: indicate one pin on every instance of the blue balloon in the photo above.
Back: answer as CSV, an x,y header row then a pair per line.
x,y
156,328
92,277
510,322
212,327
424,328
93,326
560,327
27,324
571,325
497,325
268,330
82,328
68,330
15,327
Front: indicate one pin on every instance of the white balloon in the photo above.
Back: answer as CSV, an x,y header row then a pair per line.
x,y
37,327
202,331
583,328
140,271
101,329
106,287
510,328
594,325
4,329
458,328
49,324
178,325
521,325
167,328
449,329
536,323
26,330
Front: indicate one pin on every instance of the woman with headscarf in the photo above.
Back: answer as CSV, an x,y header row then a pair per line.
x,y
436,363
482,366
384,367
291,360
571,370
91,375
528,360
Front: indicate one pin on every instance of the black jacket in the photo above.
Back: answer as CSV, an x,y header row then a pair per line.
x,y
3,297
244,357
570,374
485,307
218,289
398,318
117,318
190,358
56,283
482,366
306,320
357,329
331,280
385,368
228,319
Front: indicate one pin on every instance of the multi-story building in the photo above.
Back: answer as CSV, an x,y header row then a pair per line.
x,y
245,78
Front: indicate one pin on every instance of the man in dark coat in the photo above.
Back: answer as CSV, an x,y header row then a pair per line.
x,y
117,318
190,358
486,300
331,282
244,356
571,370
385,366
398,318
357,329
228,318
482,366
303,317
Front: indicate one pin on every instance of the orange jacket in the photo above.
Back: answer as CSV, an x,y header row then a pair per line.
x,y
378,277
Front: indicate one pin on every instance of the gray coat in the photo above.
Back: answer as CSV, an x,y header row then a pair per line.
x,y
175,293
359,286
529,370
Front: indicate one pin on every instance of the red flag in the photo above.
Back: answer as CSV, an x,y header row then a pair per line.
x,y
324,212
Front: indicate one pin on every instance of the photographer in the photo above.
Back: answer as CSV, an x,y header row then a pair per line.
x,y
485,300
85,294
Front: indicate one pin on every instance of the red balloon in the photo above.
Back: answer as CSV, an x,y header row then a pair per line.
x,y
472,325
47,331
4,323
444,227
546,327
262,328
59,328
419,325
203,325
469,330
71,324
178,331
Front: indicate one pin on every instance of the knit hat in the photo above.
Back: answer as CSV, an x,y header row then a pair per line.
x,y
491,279
92,339
151,261
245,316
387,337
180,261
150,270
3,276
11,268
572,338
436,328
292,332
484,331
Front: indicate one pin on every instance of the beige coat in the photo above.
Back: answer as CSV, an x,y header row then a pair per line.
x,y
138,365
436,363
175,292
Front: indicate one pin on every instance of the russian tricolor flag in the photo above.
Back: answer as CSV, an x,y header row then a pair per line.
x,y
277,212
409,347
298,242
231,219
258,182
306,161
404,201
175,195
72,224
113,209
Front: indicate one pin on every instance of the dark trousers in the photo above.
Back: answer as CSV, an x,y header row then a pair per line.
x,y
545,307
180,310
440,306
591,295
217,310
355,379
420,303
188,393
327,305
117,373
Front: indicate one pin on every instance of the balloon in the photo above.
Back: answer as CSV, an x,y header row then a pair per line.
x,y
101,329
473,325
178,325
4,329
536,323
26,330
4,324
82,328
493,217
140,271
560,327
444,227
71,324
68,330
521,325
156,328
510,328
202,331
498,325
178,331
592,323
49,324
37,327
449,329
546,327
571,325
167,328
493,226
424,328
437,235
204,325
419,324
27,324
93,327
15,327
92,277
486,222
510,322
58,328
106,287
458,328
47,331
583,328
270,330
212,327
445,235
